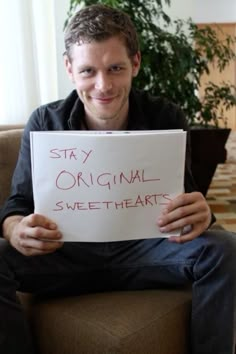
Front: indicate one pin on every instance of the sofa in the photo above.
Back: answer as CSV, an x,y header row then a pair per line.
x,y
138,322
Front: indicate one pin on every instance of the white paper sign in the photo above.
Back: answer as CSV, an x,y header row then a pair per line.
x,y
106,186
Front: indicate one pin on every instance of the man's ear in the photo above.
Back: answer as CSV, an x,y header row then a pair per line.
x,y
68,66
136,62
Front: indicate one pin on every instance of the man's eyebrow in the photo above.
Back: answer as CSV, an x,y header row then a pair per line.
x,y
85,66
88,66
120,63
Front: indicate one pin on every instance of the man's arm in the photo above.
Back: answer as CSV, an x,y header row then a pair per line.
x,y
32,235
20,201
189,211
29,233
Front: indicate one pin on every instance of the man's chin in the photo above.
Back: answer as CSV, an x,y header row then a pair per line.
x,y
103,115
104,118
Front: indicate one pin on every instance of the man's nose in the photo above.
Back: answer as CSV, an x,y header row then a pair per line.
x,y
103,82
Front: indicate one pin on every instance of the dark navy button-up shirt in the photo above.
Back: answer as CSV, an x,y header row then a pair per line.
x,y
145,113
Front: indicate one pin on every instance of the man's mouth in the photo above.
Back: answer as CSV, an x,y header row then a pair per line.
x,y
104,99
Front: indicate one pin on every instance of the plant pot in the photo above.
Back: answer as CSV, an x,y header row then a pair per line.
x,y
207,151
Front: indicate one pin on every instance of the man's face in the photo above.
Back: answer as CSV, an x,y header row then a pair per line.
x,y
102,73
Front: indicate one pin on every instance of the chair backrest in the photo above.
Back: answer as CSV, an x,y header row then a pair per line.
x,y
4,127
9,149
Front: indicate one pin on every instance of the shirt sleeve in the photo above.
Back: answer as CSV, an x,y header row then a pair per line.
x,y
189,182
172,117
20,201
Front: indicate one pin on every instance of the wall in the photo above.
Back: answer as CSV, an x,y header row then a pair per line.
x,y
206,11
201,11
64,84
180,8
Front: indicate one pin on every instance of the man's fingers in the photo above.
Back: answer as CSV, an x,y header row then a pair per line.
x,y
39,227
186,199
28,251
33,220
31,246
186,237
41,233
179,223
188,209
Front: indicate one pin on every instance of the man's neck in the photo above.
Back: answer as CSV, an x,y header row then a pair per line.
x,y
105,124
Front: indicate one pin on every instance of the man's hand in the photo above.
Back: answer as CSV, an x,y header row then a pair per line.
x,y
32,235
189,211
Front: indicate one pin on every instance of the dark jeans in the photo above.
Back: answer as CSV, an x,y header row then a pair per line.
x,y
208,262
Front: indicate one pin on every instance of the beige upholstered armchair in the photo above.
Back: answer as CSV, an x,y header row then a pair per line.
x,y
138,322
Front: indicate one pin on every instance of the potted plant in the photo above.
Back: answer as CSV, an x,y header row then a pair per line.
x,y
175,56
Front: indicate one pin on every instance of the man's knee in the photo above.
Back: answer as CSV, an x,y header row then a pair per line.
x,y
222,240
219,250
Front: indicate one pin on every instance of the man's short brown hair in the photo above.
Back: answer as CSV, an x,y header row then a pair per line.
x,y
99,22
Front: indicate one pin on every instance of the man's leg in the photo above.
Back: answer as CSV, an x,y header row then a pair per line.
x,y
68,271
14,332
208,262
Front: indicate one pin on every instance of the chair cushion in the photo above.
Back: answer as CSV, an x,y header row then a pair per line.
x,y
138,322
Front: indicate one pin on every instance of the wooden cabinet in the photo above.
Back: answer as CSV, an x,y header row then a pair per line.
x,y
228,75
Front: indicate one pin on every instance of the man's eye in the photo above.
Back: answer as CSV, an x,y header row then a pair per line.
x,y
86,72
116,68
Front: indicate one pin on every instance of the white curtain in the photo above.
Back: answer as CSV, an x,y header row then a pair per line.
x,y
28,65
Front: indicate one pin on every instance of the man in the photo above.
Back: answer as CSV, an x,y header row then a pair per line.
x,y
102,57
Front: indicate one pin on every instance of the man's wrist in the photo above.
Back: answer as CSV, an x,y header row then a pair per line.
x,y
9,224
